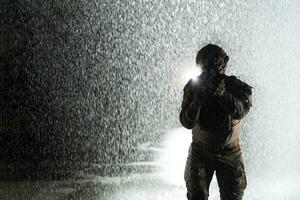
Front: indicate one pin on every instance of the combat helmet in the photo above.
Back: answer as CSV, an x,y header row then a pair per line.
x,y
211,57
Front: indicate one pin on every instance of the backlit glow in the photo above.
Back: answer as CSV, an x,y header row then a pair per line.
x,y
174,156
191,72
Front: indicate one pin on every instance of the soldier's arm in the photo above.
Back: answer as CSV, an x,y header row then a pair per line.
x,y
238,102
189,107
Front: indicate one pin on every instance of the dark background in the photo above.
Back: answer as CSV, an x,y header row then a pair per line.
x,y
81,81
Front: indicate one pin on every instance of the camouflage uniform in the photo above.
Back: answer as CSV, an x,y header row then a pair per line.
x,y
215,123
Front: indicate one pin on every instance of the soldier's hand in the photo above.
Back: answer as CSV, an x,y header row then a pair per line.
x,y
220,88
216,85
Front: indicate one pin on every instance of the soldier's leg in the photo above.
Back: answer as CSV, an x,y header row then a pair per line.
x,y
198,174
231,176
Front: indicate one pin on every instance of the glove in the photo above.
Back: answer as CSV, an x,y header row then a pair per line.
x,y
216,85
219,91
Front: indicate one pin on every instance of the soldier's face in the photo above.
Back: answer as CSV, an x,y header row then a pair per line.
x,y
221,61
222,69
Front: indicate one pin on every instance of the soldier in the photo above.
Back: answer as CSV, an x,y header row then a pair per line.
x,y
213,106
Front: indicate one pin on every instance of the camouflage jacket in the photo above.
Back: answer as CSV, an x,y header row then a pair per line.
x,y
215,118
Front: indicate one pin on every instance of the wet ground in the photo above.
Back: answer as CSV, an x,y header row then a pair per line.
x,y
136,186
147,186
159,178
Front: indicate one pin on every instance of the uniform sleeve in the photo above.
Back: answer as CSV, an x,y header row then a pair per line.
x,y
190,107
237,99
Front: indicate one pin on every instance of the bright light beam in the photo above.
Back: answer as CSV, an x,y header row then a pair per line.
x,y
191,72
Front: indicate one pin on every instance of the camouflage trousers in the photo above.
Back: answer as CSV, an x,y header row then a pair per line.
x,y
201,164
